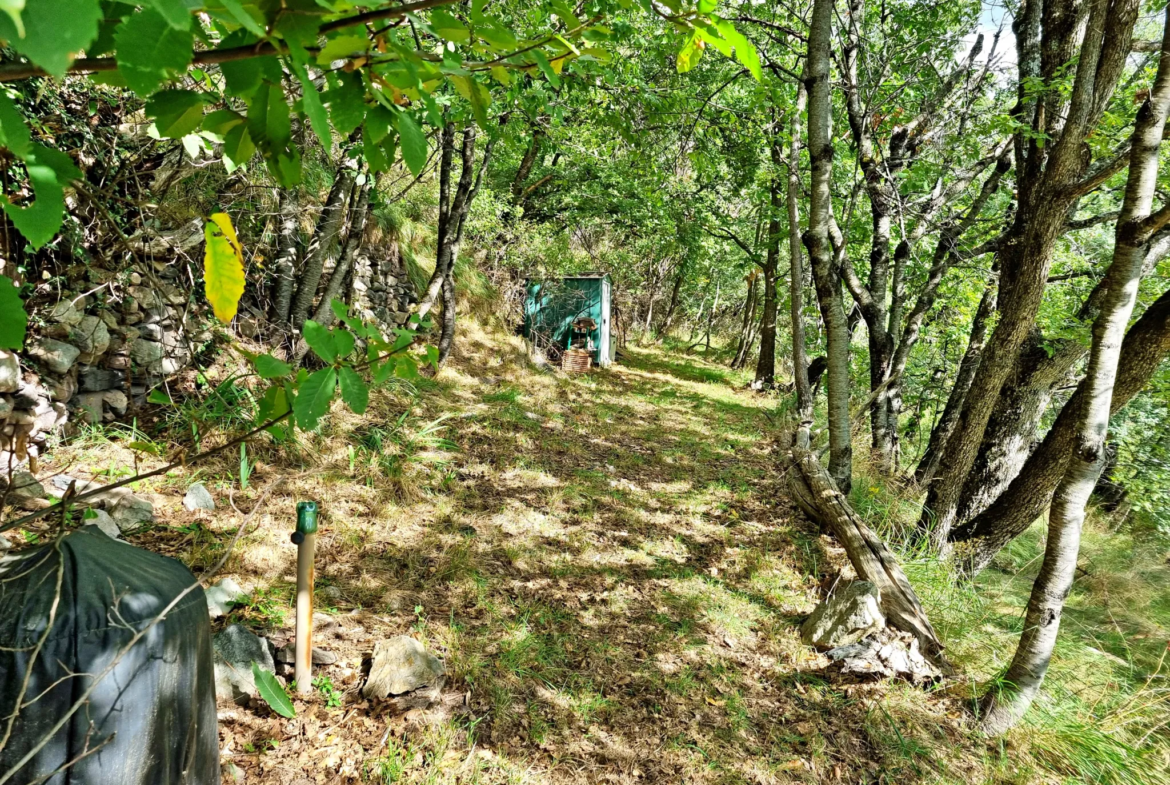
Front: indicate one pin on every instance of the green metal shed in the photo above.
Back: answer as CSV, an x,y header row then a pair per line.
x,y
552,305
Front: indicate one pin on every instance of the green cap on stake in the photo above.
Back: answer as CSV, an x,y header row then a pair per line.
x,y
307,517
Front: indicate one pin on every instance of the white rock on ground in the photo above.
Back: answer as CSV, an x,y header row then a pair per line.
x,y
846,617
222,595
235,649
198,498
401,665
131,511
886,654
102,520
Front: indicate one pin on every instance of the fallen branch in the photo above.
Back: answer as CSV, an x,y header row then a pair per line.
x,y
817,494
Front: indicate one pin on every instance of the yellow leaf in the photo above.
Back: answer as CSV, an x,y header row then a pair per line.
x,y
223,267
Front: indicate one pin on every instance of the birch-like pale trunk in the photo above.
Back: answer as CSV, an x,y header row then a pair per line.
x,y
819,243
1004,706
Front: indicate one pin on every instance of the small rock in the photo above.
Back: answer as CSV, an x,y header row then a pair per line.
x,y
5,406
89,406
91,335
65,312
24,486
329,593
222,595
131,511
5,544
135,279
118,362
145,352
117,401
230,771
9,372
92,379
888,653
151,332
51,418
846,617
198,498
58,357
102,520
401,665
235,649
288,654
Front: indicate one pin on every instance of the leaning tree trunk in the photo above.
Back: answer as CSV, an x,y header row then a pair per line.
x,y
746,334
804,396
1005,706
928,465
286,254
978,540
664,328
815,490
766,362
1052,176
817,241
323,247
1011,431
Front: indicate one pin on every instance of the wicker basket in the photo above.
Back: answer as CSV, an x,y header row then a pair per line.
x,y
577,360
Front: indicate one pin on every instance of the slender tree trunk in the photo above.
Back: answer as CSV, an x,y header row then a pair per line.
x,y
1005,706
447,336
804,395
446,162
286,254
818,241
526,164
711,321
664,328
323,247
360,215
928,465
746,336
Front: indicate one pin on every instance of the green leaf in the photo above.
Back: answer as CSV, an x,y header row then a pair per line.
x,y
14,133
176,113
272,405
13,319
405,367
354,391
238,148
320,341
268,367
344,340
545,67
341,47
313,107
341,311
223,267
160,397
711,36
562,9
221,121
245,18
690,54
747,55
48,171
13,9
149,50
243,77
271,130
272,693
414,143
176,12
448,27
347,103
313,398
378,122
54,31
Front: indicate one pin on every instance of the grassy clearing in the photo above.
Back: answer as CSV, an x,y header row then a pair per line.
x,y
612,571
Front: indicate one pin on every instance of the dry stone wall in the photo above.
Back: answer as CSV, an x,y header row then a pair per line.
x,y
94,354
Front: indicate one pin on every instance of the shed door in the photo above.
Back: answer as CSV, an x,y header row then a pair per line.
x,y
604,356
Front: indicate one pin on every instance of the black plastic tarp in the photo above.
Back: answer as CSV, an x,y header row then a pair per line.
x,y
151,720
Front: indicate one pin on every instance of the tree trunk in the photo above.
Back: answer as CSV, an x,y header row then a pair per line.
x,y
978,540
766,362
447,336
323,247
1048,184
446,161
804,395
1005,706
929,463
746,337
818,242
286,254
1011,432
664,328
526,163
